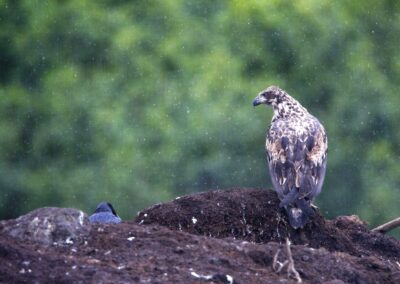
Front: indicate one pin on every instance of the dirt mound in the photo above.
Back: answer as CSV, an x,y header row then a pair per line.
x,y
214,237
254,215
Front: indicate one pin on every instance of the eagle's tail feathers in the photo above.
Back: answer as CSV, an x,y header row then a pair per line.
x,y
289,198
300,214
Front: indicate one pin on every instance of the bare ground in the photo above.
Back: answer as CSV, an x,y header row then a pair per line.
x,y
223,236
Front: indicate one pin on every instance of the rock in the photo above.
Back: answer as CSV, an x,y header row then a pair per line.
x,y
48,226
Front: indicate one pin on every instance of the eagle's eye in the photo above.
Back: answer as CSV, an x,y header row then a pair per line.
x,y
269,96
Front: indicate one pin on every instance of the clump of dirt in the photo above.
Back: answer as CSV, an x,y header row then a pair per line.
x,y
254,215
223,236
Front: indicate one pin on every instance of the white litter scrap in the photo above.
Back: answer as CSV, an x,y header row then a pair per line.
x,y
205,277
194,220
80,218
69,241
210,277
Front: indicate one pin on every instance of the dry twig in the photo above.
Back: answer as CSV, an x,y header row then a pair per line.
x,y
277,266
291,270
387,226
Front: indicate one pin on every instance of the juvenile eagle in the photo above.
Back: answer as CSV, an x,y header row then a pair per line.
x,y
297,153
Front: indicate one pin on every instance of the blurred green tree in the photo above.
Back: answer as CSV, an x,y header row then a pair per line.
x,y
137,102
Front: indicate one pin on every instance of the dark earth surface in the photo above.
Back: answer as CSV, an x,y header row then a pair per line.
x,y
222,236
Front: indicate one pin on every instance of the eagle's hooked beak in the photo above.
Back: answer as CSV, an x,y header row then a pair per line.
x,y
259,100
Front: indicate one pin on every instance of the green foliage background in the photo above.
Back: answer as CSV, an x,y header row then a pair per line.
x,y
136,102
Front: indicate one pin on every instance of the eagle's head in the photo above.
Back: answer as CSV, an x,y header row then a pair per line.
x,y
273,95
281,102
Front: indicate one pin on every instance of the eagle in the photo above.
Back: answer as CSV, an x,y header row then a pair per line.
x,y
104,213
296,147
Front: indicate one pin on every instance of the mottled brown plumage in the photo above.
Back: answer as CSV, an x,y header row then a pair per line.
x,y
297,153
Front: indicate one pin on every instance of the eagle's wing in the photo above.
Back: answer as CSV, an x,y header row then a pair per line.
x,y
297,163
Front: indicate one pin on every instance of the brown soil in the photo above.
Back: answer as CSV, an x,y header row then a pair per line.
x,y
223,236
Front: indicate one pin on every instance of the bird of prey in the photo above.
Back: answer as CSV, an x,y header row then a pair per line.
x,y
297,148
104,213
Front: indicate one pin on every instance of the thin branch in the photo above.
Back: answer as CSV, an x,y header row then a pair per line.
x,y
277,266
387,226
291,269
